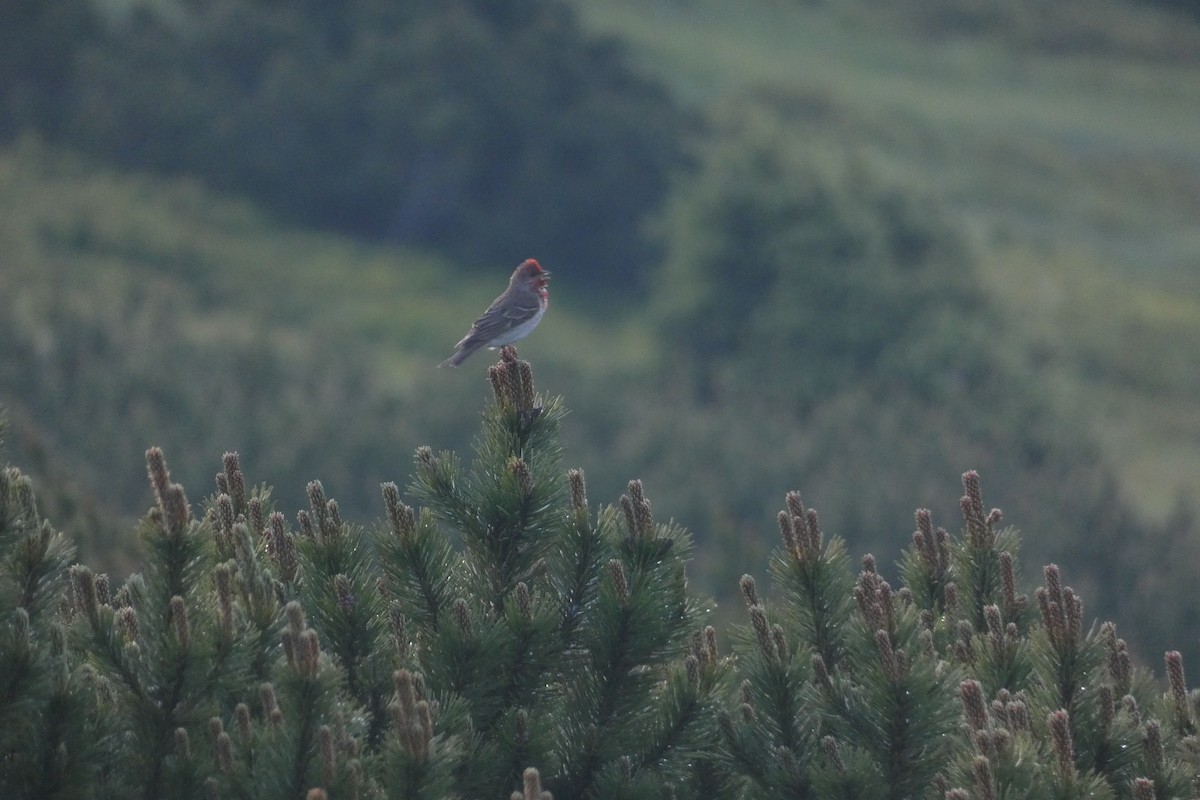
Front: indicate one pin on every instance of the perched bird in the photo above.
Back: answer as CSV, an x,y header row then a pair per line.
x,y
511,316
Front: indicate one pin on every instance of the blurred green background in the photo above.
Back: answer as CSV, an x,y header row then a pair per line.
x,y
850,247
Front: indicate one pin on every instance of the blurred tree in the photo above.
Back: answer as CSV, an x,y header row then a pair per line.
x,y
39,44
489,131
773,251
819,323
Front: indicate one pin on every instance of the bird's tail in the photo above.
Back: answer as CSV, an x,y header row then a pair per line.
x,y
466,347
459,356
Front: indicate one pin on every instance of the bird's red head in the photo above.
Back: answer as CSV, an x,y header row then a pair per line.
x,y
530,269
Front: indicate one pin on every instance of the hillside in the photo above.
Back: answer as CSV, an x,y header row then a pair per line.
x,y
1066,144
1058,188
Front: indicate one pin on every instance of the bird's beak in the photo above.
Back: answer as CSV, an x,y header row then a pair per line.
x,y
544,273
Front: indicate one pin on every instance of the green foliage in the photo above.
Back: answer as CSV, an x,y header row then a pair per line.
x,y
801,287
931,690
510,637
474,128
1075,27
53,739
39,50
771,249
506,626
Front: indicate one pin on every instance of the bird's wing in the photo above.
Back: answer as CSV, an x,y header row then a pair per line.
x,y
496,320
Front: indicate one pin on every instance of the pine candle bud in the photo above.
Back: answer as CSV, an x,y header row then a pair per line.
x,y
1053,583
411,714
295,617
643,520
160,477
787,531
532,785
177,512
524,602
308,654
237,483
833,754
762,631
1130,707
524,386
400,517
520,470
995,625
888,656
630,515
578,489
616,571
183,745
282,547
972,510
223,752
317,502
179,622
83,583
341,589
815,535
255,512
924,542
1008,581
102,591
306,526
950,599
225,516
500,391
928,648
970,692
1152,745
781,649
127,624
1175,679
242,714
328,762
266,697
821,674
1064,749
1108,705
981,768
749,590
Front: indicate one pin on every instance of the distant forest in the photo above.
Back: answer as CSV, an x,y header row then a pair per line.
x,y
481,129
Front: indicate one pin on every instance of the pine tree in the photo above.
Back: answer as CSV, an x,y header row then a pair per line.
x,y
566,639
853,689
52,738
505,636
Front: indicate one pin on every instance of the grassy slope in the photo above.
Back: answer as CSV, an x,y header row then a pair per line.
x,y
1078,175
127,302
1085,235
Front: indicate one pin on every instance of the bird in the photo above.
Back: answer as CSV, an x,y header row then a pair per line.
x,y
511,316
